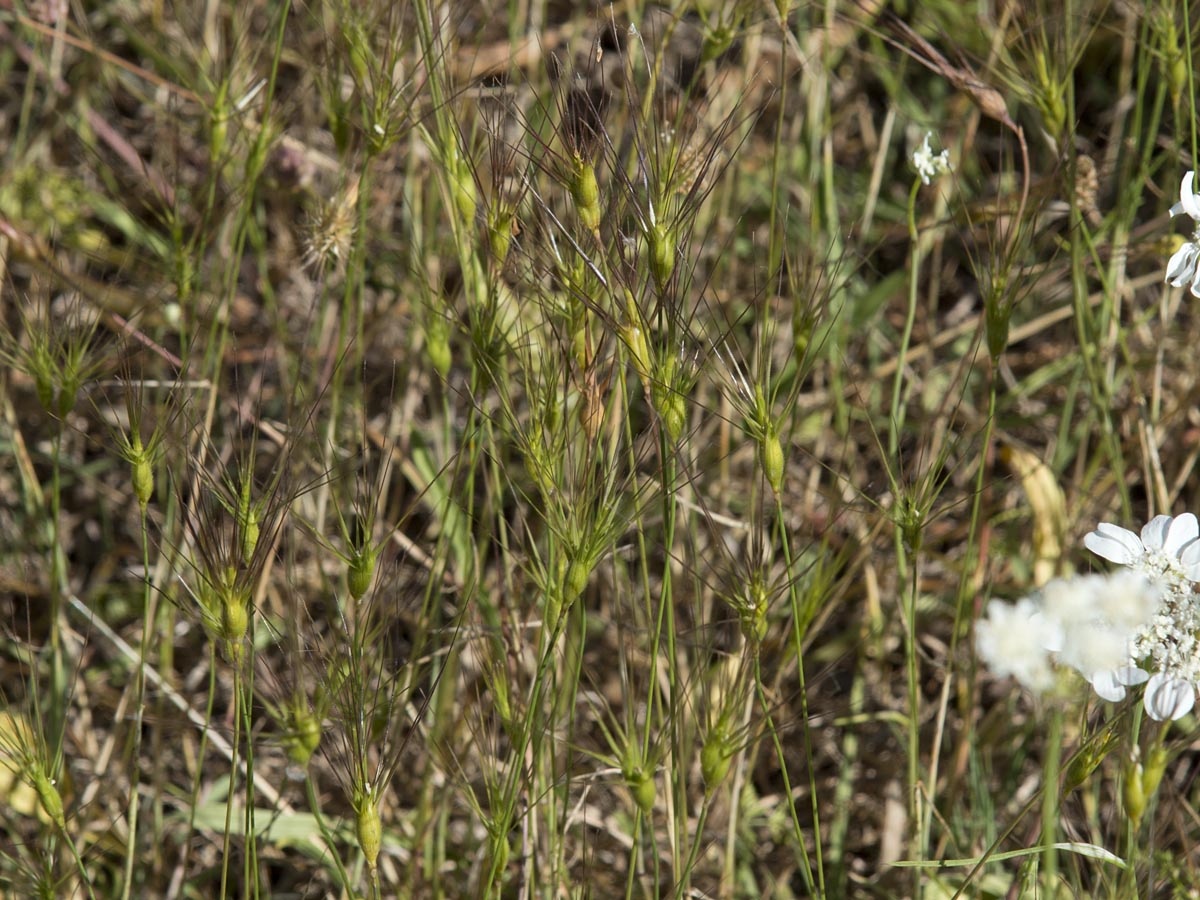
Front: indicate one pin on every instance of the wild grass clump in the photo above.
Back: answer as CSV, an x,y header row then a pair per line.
x,y
627,451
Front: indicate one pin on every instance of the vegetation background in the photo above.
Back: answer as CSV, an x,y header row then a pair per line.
x,y
547,449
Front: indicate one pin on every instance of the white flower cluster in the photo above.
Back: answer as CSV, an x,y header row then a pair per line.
x,y
1086,623
1137,626
1165,652
1184,264
928,164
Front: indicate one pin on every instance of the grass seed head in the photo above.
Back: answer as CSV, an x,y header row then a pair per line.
x,y
437,344
667,398
575,578
498,851
716,756
662,254
1133,793
303,735
1153,771
48,796
360,569
770,456
331,230
142,473
500,232
998,310
752,609
639,778
368,827
463,188
585,191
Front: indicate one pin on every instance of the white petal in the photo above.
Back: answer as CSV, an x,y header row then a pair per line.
x,y
1182,265
1108,687
1189,558
1168,698
1131,675
1195,288
1183,529
1154,535
1115,544
1188,200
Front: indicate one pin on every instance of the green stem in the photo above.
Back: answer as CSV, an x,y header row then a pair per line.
x,y
694,850
58,587
148,614
1050,798
330,839
227,848
798,649
896,419
79,866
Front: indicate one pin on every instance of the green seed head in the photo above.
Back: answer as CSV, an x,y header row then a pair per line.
x,y
466,196
360,570
1152,774
68,390
662,254
752,615
997,314
1133,792
501,698
911,518
499,851
437,344
715,758
554,609
500,233
304,735
638,779
1087,761
634,336
368,828
641,785
247,521
44,385
235,618
142,472
770,457
576,578
673,410
585,191
49,796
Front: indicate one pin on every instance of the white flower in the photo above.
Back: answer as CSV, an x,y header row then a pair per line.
x,y
1011,640
1168,547
1095,619
1182,266
929,166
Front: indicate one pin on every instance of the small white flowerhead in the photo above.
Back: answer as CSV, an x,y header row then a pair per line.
x,y
1183,268
1096,618
1011,641
928,165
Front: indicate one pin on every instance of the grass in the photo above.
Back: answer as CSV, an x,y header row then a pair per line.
x,y
516,450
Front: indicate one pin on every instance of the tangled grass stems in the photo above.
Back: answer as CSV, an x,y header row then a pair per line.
x,y
652,424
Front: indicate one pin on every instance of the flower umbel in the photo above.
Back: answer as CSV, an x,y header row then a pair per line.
x,y
1005,643
928,164
1164,651
1087,623
1182,267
